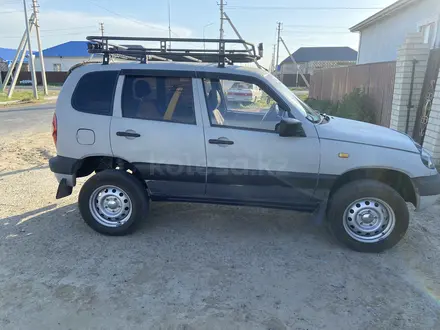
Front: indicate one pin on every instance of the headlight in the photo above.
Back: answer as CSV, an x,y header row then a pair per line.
x,y
427,159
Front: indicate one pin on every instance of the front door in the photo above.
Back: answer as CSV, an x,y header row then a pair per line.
x,y
157,126
246,159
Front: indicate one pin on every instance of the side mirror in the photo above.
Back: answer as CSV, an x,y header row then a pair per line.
x,y
290,127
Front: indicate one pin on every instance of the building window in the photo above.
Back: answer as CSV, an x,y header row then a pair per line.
x,y
428,31
57,67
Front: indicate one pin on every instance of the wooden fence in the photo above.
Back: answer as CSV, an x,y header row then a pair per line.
x,y
376,80
51,77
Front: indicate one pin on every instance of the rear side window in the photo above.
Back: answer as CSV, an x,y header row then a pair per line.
x,y
158,98
94,93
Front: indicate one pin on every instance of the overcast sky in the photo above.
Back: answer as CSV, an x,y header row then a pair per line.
x,y
64,20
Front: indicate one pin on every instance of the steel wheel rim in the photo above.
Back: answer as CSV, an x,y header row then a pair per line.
x,y
369,220
110,206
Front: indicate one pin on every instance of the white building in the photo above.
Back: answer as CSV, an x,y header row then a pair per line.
x,y
62,57
383,33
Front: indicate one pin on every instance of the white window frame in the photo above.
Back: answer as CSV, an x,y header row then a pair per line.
x,y
56,66
432,20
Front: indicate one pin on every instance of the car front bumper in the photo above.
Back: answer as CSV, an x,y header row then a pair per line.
x,y
427,190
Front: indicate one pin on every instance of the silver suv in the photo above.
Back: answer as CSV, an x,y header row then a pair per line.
x,y
165,131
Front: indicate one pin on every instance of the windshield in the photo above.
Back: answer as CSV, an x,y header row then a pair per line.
x,y
308,112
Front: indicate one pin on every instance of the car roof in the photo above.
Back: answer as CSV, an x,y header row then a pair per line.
x,y
174,66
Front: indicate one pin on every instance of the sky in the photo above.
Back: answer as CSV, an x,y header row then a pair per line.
x,y
305,23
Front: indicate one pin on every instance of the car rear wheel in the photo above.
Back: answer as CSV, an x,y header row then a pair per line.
x,y
113,202
368,216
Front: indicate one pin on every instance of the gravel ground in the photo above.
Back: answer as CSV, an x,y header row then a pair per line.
x,y
197,266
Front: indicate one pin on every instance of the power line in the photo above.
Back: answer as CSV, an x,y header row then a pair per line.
x,y
11,11
46,35
72,28
128,18
317,32
301,8
317,26
51,30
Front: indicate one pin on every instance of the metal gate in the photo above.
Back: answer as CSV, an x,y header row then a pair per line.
x,y
427,96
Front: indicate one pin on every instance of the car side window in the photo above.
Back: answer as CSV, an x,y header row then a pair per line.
x,y
94,92
158,98
239,104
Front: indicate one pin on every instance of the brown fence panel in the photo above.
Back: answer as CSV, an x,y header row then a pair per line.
x,y
376,79
339,77
315,85
381,89
326,85
358,77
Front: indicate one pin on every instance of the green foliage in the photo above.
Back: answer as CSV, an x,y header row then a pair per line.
x,y
356,105
323,106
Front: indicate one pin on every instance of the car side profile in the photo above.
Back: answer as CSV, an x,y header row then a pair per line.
x,y
166,131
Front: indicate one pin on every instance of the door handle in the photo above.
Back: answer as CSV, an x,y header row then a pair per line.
x,y
131,134
221,141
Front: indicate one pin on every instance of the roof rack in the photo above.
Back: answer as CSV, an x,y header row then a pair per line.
x,y
107,45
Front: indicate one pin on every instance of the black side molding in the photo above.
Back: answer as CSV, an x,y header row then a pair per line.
x,y
64,165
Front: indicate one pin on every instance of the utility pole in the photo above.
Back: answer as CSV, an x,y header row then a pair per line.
x,y
17,55
239,37
101,27
222,10
296,64
40,48
169,23
31,57
272,63
278,44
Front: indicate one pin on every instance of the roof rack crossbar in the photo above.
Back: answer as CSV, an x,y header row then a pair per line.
x,y
107,46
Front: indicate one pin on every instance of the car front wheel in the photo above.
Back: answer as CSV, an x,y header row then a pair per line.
x,y
113,202
368,216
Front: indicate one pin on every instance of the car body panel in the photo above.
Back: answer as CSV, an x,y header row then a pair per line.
x,y
170,156
342,129
259,165
69,121
261,168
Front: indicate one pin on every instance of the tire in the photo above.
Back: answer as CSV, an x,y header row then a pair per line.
x,y
368,204
120,199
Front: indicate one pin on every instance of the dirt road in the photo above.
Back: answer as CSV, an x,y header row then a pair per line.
x,y
197,266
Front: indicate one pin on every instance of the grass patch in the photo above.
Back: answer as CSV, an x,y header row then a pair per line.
x,y
25,96
303,96
17,96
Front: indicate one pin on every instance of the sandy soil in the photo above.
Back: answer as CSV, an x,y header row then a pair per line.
x,y
197,266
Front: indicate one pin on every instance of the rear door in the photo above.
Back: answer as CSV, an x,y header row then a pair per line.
x,y
157,126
